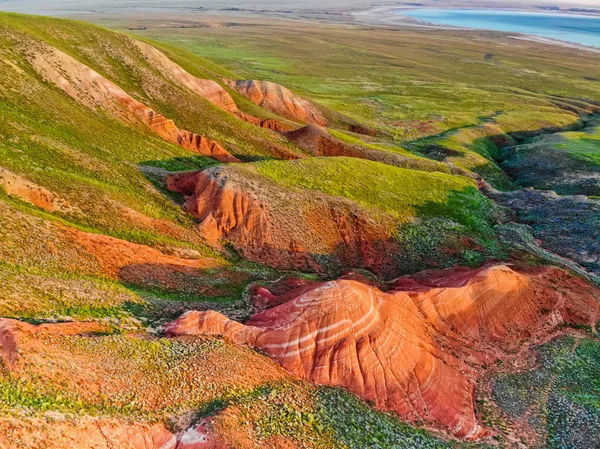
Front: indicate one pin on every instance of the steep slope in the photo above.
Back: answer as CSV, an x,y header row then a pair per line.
x,y
76,384
209,89
184,88
418,349
93,90
280,100
87,230
316,214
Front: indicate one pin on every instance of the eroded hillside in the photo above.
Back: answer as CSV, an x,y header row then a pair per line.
x,y
191,258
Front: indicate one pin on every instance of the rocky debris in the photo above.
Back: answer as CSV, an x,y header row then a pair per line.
x,y
566,225
419,348
32,193
280,100
93,90
520,237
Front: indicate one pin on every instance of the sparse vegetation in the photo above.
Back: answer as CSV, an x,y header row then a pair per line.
x,y
560,397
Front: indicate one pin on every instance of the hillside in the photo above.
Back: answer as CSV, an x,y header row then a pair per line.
x,y
196,257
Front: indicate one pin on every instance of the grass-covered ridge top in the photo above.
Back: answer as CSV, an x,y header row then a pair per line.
x,y
391,190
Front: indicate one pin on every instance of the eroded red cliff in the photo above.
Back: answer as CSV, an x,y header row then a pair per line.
x,y
418,349
280,100
285,228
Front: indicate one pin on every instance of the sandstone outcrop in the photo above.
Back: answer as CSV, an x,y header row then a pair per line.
x,y
280,100
419,348
95,91
285,228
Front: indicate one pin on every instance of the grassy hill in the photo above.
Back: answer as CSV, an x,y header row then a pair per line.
x,y
456,94
96,254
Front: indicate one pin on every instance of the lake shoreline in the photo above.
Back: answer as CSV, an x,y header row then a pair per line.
x,y
392,16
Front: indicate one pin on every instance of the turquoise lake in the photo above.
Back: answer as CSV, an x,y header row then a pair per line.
x,y
579,29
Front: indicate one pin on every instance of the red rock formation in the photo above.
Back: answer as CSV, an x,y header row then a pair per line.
x,y
282,227
92,89
317,141
281,101
419,349
103,433
208,89
237,210
275,125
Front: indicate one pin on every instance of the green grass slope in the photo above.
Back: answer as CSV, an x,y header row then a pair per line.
x,y
436,219
115,56
566,162
108,173
462,93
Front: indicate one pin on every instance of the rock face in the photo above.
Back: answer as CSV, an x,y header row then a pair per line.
x,y
280,100
419,348
566,225
92,89
285,228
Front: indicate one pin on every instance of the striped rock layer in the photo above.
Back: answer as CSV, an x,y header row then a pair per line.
x,y
419,348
